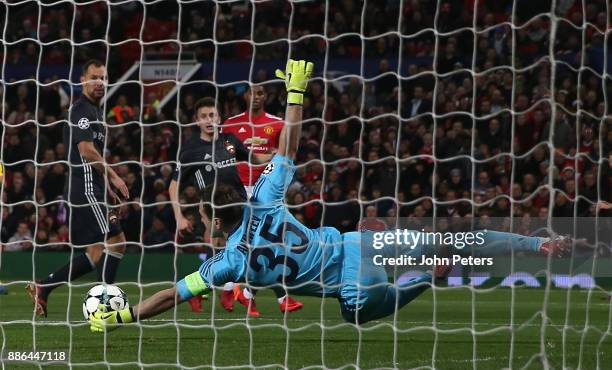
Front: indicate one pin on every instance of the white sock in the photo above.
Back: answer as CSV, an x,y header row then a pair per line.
x,y
281,299
228,287
247,293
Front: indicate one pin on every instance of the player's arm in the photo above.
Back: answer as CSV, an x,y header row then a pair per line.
x,y
261,158
243,154
214,271
89,152
158,303
277,176
181,222
296,76
82,135
290,135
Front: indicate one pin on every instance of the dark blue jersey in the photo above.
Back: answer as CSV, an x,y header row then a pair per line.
x,y
202,162
85,123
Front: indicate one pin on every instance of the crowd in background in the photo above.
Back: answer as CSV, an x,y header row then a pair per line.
x,y
485,124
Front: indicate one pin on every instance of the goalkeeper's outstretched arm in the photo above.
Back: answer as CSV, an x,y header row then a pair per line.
x,y
296,76
159,302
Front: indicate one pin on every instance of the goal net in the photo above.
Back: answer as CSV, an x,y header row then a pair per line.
x,y
421,114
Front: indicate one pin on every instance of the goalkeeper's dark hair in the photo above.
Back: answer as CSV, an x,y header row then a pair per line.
x,y
225,201
91,62
207,102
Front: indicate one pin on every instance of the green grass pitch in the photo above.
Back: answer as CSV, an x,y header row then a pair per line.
x,y
466,330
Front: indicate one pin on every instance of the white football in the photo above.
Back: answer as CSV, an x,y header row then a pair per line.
x,y
110,296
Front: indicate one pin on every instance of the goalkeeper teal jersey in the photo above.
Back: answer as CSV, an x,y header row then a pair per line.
x,y
272,248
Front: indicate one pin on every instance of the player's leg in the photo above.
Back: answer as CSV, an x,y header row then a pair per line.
x,y
366,293
85,231
114,248
227,296
382,300
286,303
482,243
94,252
109,262
79,265
228,293
496,242
246,297
491,243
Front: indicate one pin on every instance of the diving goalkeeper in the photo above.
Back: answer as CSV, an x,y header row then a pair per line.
x,y
267,246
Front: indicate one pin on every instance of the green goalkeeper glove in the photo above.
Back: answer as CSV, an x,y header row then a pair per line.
x,y
296,78
107,321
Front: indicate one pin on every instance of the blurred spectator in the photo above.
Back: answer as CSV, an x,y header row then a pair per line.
x,y
151,107
122,112
356,145
386,82
418,104
158,237
21,240
371,222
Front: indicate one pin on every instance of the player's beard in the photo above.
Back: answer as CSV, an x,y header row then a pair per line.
x,y
97,94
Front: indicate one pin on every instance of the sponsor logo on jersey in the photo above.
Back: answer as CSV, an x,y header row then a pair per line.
x,y
269,130
230,147
256,140
83,123
242,130
226,163
207,156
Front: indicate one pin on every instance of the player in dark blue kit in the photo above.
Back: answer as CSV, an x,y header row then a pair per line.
x,y
267,246
206,159
92,225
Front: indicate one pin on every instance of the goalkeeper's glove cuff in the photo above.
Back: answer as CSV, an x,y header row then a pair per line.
x,y
126,316
295,98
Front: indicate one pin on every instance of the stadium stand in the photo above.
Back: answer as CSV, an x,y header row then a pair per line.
x,y
353,119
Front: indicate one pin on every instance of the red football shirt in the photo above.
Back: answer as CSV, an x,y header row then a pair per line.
x,y
259,134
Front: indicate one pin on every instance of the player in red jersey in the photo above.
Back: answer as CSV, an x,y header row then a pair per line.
x,y
260,132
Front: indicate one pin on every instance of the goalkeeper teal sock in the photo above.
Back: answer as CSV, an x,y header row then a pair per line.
x,y
493,243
